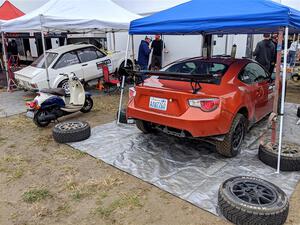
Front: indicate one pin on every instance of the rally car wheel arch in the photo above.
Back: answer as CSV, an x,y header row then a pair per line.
x,y
250,200
71,131
231,145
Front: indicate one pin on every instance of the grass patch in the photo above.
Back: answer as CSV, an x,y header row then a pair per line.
x,y
126,201
35,195
3,140
16,174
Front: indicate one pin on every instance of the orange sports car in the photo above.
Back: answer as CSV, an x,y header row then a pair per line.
x,y
214,99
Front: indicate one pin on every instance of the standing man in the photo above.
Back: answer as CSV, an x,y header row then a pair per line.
x,y
144,53
265,52
273,62
157,45
292,53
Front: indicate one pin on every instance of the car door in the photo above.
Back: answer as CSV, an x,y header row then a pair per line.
x,y
90,58
68,63
257,82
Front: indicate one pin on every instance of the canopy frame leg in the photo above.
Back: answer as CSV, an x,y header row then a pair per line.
x,y
44,51
123,80
5,60
281,114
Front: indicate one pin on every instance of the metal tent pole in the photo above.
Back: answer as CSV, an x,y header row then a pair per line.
x,y
282,96
44,51
123,81
5,60
114,40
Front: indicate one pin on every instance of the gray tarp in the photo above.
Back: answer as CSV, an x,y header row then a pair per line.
x,y
186,168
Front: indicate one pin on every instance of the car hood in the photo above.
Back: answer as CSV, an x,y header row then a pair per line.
x,y
30,72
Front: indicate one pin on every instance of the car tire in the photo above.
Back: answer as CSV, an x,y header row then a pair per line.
x,y
65,85
120,71
289,161
71,131
229,147
88,105
144,126
250,200
123,117
295,77
37,121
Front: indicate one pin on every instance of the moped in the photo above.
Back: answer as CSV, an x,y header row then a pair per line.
x,y
52,103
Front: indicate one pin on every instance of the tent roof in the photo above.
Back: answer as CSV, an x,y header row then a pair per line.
x,y
216,17
68,15
8,11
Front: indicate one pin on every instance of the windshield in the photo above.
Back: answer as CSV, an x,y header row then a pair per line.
x,y
197,67
40,62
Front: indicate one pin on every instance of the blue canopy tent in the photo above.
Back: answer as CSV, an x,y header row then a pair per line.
x,y
224,17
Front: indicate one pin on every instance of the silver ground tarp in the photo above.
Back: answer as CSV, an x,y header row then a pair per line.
x,y
186,168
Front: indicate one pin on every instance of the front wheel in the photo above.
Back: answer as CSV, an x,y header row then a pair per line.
x,y
88,105
37,119
231,145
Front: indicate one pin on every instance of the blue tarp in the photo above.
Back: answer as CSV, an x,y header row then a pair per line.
x,y
219,17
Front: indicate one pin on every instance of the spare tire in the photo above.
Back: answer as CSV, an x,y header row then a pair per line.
x,y
290,156
71,131
123,117
250,200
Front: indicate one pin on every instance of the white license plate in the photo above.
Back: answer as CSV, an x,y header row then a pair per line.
x,y
30,114
158,103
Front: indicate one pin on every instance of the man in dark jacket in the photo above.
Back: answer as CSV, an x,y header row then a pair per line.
x,y
157,45
265,52
144,53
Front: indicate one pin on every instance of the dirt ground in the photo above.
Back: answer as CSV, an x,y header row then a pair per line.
x,y
42,182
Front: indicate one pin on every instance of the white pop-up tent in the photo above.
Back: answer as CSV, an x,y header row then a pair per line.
x,y
78,15
72,15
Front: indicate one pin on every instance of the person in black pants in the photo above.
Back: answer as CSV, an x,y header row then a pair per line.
x,y
157,45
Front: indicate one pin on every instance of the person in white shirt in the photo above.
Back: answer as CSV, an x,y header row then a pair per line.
x,y
292,52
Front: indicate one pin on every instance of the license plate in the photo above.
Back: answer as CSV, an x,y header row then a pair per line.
x,y
30,114
158,103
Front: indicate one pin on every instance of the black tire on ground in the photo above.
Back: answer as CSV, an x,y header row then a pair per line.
x,y
37,118
88,105
295,77
231,145
252,201
71,131
144,126
289,161
123,117
298,112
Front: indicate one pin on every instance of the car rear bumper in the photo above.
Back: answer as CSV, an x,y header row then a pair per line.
x,y
194,121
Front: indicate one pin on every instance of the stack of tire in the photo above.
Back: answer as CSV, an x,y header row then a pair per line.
x,y
252,201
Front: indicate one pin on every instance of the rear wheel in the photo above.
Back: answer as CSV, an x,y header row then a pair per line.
x,y
231,145
144,126
37,119
88,105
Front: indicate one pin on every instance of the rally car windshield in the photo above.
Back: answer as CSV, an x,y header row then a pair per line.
x,y
197,67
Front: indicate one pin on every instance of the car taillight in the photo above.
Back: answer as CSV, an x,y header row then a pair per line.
x,y
205,104
132,92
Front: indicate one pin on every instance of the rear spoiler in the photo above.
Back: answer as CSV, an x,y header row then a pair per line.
x,y
194,79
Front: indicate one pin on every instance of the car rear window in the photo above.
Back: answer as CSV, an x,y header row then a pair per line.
x,y
198,67
40,61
